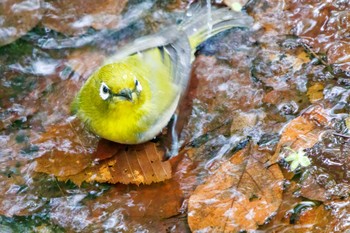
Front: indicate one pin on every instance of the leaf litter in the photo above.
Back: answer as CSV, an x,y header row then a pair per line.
x,y
257,95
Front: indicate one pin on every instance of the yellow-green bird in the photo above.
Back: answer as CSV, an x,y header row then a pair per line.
x,y
133,96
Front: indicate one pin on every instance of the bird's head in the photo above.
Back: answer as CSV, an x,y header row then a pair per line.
x,y
112,90
116,86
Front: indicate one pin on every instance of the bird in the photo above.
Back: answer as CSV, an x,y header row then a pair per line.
x,y
133,95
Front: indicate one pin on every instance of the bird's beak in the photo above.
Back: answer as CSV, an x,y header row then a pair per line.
x,y
125,93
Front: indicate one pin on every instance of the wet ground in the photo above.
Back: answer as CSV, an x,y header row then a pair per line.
x,y
263,130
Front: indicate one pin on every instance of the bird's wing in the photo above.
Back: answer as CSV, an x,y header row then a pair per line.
x,y
174,47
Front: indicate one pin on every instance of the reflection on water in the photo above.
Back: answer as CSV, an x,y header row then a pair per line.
x,y
248,85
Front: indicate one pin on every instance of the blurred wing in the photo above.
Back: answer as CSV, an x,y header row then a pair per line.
x,y
170,47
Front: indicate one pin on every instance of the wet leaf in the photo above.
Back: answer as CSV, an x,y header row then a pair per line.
x,y
323,26
75,17
84,62
17,18
107,149
329,177
311,189
339,220
67,149
302,132
315,92
246,120
69,153
139,164
270,16
285,210
240,195
315,219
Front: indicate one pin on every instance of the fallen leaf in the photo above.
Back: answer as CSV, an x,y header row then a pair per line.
x,y
270,17
106,149
278,96
126,208
241,195
69,153
246,120
315,92
84,62
155,207
302,132
339,220
311,219
75,17
13,201
158,200
139,164
66,149
285,210
17,18
328,178
323,26
279,67
312,190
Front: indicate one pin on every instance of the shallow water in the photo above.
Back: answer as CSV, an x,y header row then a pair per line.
x,y
283,83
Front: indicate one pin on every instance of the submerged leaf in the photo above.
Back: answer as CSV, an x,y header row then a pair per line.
x,y
67,149
74,17
17,18
303,131
240,195
315,92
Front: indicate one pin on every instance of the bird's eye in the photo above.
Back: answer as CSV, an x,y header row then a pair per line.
x,y
138,86
104,91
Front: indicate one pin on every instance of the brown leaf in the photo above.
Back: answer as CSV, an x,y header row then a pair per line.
x,y
315,92
283,215
66,149
287,219
13,201
277,96
240,195
158,207
302,132
149,206
339,220
84,62
328,178
312,190
139,164
69,153
17,18
106,149
315,219
160,200
74,17
323,26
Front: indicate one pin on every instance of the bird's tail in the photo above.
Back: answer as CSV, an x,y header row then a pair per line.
x,y
207,22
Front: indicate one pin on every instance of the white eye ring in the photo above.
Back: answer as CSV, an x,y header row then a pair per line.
x,y
104,91
138,85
